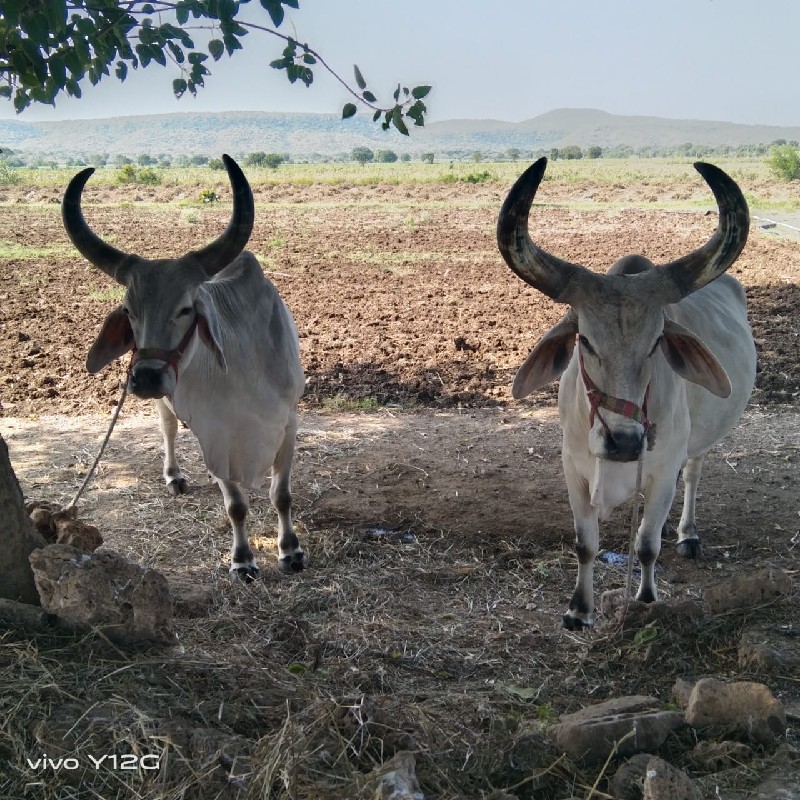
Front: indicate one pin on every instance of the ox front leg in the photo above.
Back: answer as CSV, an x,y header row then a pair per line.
x,y
580,613
688,539
168,422
291,556
243,563
648,538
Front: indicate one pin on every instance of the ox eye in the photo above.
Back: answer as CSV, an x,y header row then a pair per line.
x,y
185,311
586,346
655,346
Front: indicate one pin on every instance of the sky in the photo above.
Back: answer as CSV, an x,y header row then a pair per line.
x,y
726,60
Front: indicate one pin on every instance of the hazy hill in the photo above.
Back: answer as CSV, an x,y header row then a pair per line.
x,y
303,135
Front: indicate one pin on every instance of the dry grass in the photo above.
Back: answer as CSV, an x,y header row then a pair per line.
x,y
408,637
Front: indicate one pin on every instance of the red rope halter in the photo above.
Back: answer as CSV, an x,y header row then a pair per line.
x,y
599,399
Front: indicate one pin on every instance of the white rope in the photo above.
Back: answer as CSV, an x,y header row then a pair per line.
x,y
632,536
72,506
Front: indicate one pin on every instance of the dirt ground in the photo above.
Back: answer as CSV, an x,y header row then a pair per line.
x,y
433,506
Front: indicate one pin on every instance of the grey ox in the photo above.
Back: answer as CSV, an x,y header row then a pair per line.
x,y
216,348
663,368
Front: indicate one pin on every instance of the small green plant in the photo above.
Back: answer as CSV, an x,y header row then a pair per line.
x,y
341,402
129,173
9,176
149,177
545,713
478,177
209,196
784,161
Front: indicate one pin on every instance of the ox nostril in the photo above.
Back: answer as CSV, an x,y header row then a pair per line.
x,y
623,446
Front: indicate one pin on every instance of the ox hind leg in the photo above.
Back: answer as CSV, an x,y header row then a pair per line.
x,y
688,539
168,422
291,556
243,563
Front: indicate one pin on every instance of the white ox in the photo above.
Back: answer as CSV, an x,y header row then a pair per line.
x,y
664,365
215,346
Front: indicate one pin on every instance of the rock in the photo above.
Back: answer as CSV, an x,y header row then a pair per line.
x,y
671,613
768,647
716,756
130,603
77,534
744,591
744,710
394,780
628,781
780,786
682,691
41,514
190,599
590,735
662,781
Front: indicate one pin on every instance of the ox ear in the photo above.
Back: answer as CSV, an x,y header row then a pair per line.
x,y
547,360
115,339
692,360
208,326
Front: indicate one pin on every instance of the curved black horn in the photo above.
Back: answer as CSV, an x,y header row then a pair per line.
x,y
223,250
552,276
89,244
695,270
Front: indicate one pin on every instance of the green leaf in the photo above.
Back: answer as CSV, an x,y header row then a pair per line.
x,y
122,70
369,97
145,54
158,55
275,10
296,668
5,91
418,92
349,110
182,14
645,635
525,692
377,115
397,121
179,87
362,84
177,53
217,48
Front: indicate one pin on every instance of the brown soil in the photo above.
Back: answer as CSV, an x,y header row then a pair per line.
x,y
399,292
438,522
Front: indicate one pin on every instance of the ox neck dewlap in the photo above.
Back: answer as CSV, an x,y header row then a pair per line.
x,y
169,357
599,399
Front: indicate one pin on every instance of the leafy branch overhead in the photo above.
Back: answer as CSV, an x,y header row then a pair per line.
x,y
51,47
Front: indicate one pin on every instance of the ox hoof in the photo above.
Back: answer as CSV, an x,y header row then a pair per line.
x,y
575,623
243,573
177,486
293,562
690,548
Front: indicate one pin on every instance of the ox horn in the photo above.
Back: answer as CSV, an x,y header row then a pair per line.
x,y
558,279
222,251
693,271
88,243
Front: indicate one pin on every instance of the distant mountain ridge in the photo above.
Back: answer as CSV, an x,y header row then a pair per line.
x,y
326,135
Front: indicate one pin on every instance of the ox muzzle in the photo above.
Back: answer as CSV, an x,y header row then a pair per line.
x,y
153,372
622,444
